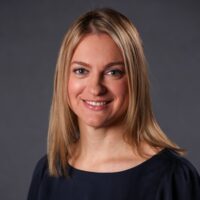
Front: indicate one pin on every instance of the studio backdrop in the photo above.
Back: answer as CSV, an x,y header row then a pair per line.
x,y
30,36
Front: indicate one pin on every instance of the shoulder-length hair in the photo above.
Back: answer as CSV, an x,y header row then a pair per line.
x,y
141,125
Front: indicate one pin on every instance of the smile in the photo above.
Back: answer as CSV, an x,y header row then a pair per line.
x,y
97,104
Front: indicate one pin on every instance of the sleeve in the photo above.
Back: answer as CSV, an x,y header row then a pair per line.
x,y
182,183
38,173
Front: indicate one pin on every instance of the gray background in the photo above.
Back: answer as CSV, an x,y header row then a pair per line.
x,y
30,36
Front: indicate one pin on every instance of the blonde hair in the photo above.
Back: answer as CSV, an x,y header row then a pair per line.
x,y
140,122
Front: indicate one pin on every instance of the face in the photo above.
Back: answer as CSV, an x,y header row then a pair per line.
x,y
97,87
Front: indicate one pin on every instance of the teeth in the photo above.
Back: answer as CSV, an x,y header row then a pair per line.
x,y
96,103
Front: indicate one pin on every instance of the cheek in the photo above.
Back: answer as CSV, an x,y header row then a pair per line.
x,y
123,95
74,88
121,90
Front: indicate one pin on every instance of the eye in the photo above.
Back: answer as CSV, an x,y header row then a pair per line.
x,y
80,71
115,73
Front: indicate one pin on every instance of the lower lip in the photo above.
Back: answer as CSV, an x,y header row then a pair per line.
x,y
95,108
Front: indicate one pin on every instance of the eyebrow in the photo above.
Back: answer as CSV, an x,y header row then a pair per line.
x,y
107,65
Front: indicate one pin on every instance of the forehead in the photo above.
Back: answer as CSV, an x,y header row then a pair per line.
x,y
94,48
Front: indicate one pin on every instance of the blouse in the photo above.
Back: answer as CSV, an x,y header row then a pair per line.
x,y
164,176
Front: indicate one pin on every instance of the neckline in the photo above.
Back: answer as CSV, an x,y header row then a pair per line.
x,y
128,170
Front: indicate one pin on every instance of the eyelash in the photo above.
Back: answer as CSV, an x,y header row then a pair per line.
x,y
119,72
77,71
113,72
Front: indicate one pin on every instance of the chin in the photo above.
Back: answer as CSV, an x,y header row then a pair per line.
x,y
96,124
100,123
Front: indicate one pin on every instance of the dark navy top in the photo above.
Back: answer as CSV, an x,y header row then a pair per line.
x,y
165,176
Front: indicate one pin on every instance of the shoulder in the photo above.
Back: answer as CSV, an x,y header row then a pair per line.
x,y
38,174
181,179
41,166
179,163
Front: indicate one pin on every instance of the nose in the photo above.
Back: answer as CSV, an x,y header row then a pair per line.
x,y
96,86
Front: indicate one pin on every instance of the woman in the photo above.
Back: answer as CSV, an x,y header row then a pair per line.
x,y
104,142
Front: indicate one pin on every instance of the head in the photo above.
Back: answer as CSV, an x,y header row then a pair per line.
x,y
126,37
63,128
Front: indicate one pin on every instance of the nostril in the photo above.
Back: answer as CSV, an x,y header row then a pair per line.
x,y
98,89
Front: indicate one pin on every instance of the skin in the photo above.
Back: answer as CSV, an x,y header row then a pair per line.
x,y
98,95
97,74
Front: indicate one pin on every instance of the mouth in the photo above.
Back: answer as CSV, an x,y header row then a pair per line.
x,y
99,104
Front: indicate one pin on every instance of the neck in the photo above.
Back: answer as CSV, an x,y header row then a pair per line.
x,y
98,144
